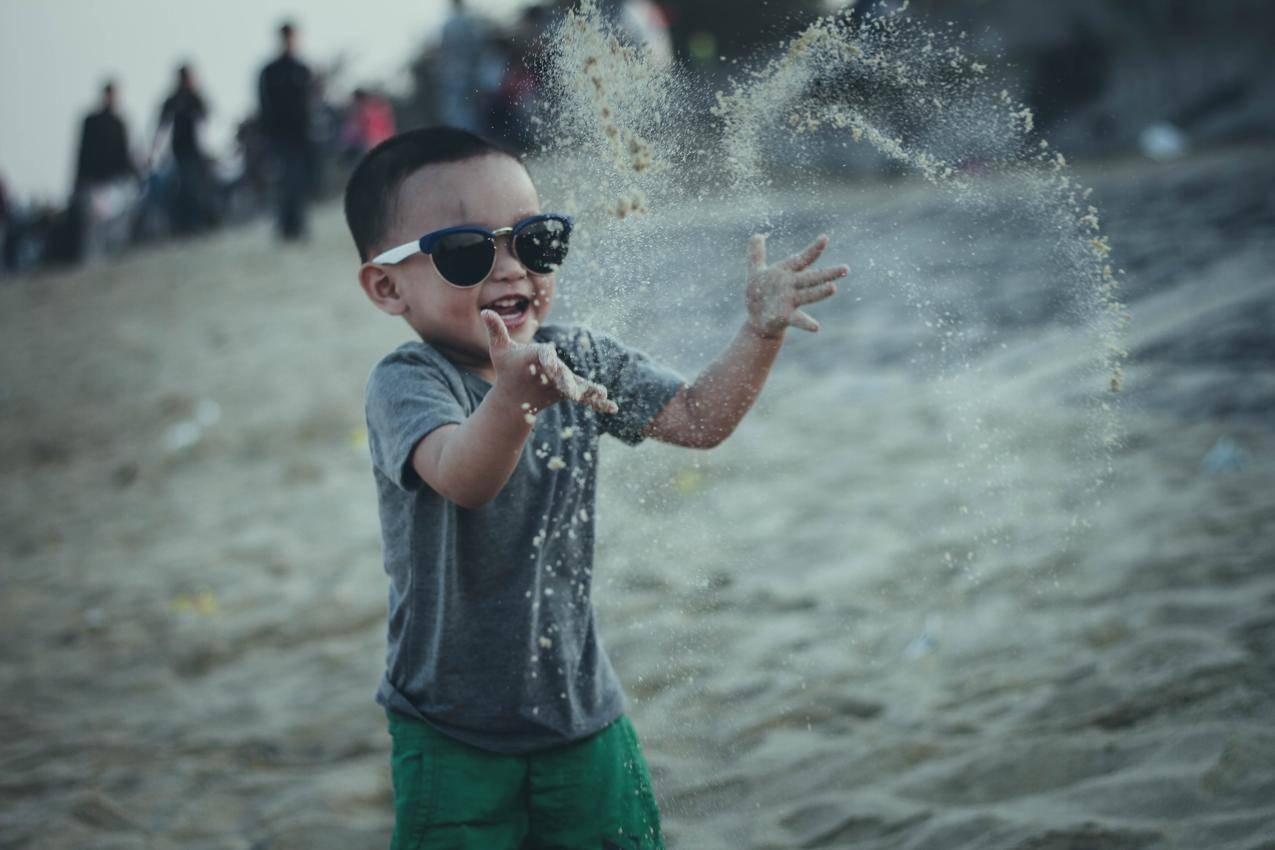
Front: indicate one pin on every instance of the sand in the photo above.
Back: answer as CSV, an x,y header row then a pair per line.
x,y
844,628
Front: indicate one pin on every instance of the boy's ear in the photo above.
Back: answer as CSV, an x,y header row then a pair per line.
x,y
381,288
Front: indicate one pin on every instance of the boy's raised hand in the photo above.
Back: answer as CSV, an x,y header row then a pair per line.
x,y
534,375
777,293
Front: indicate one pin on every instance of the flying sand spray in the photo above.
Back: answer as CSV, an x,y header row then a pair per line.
x,y
630,141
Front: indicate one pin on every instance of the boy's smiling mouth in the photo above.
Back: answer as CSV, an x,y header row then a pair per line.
x,y
512,309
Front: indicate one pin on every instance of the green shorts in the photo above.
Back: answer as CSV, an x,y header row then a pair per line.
x,y
593,794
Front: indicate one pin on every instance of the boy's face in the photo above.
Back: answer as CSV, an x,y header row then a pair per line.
x,y
490,191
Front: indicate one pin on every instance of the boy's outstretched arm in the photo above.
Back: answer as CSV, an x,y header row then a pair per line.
x,y
704,413
470,463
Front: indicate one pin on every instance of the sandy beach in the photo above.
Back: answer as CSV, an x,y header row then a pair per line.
x,y
912,603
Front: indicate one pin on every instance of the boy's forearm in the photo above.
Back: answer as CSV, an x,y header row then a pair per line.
x,y
727,388
478,457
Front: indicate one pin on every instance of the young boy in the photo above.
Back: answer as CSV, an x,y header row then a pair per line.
x,y
507,721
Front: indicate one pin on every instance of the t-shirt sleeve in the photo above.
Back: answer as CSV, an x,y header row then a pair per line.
x,y
639,386
408,397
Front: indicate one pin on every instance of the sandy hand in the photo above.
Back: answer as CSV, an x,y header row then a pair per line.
x,y
777,293
534,374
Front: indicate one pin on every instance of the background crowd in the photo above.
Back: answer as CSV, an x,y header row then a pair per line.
x,y
129,190
297,146
1101,78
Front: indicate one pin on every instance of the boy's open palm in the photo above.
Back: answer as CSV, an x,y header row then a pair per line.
x,y
535,376
777,293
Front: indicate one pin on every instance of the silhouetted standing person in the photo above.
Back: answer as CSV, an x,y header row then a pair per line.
x,y
4,229
105,181
183,111
104,156
284,88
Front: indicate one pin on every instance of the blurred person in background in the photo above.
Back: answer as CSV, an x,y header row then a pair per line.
x,y
104,156
8,233
192,199
460,52
105,182
284,90
24,227
370,121
4,228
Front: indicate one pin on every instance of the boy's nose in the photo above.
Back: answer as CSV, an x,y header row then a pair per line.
x,y
507,265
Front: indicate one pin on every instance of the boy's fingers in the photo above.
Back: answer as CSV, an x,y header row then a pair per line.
x,y
803,320
757,252
595,396
811,294
797,262
497,333
571,385
550,366
567,383
818,276
547,356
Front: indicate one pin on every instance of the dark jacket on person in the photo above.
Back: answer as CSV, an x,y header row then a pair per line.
x,y
184,109
104,152
284,90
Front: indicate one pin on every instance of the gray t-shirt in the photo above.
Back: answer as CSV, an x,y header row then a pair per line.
x,y
492,634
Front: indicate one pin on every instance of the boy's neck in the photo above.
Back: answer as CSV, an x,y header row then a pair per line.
x,y
481,367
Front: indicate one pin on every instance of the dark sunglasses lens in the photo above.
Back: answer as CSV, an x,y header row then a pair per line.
x,y
542,246
464,258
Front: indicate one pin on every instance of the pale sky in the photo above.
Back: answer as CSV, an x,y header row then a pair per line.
x,y
55,54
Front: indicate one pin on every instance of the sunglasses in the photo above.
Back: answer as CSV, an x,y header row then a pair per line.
x,y
465,255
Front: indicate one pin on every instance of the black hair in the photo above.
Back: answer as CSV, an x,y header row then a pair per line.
x,y
372,192
286,29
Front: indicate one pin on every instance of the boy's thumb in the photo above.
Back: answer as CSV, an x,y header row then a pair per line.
x,y
497,333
